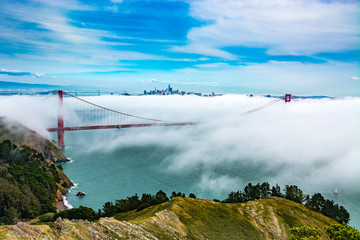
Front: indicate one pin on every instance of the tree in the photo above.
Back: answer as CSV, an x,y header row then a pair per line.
x,y
160,197
109,209
191,195
343,216
294,193
147,198
122,205
5,148
328,207
265,190
173,195
12,214
251,192
276,191
316,202
235,197
179,194
133,202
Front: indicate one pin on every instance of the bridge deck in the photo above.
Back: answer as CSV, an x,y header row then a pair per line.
x,y
120,126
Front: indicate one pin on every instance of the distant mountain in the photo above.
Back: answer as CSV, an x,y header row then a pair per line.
x,y
294,96
17,85
10,88
312,97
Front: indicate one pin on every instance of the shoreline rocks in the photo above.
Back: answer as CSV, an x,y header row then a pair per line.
x,y
80,194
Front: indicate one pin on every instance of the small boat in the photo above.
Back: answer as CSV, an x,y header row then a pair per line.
x,y
336,191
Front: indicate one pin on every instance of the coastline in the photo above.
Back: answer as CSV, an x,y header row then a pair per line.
x,y
62,203
60,206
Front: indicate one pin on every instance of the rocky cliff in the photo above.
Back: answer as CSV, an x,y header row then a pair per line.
x,y
21,135
184,218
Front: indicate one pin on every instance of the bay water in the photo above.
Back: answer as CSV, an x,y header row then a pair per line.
x,y
125,169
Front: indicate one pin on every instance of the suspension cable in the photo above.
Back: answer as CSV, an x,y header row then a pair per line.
x,y
263,106
108,109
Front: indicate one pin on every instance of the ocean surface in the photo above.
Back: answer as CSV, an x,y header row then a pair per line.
x,y
125,169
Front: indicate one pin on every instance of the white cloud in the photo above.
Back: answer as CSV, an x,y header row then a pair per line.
x,y
356,78
213,65
283,27
218,183
19,73
56,39
204,49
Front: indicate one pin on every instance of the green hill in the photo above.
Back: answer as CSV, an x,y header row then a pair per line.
x,y
185,218
201,218
21,135
30,183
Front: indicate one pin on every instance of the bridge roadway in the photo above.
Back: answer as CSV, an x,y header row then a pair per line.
x,y
120,126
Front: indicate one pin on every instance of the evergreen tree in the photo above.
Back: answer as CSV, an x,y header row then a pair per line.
x,y
276,191
109,209
265,190
294,193
160,197
316,202
147,198
191,195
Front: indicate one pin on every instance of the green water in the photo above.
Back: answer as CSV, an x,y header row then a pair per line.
x,y
126,170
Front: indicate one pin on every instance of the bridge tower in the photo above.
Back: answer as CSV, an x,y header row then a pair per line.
x,y
60,129
287,97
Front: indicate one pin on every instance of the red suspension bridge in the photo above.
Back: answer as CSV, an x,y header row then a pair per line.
x,y
90,116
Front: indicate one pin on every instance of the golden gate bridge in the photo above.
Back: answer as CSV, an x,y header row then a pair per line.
x,y
93,116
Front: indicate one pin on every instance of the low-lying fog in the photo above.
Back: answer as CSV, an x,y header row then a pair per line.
x,y
311,143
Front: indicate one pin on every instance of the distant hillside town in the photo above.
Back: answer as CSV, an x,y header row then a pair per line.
x,y
170,91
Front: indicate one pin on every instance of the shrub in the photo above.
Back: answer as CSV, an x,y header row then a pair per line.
x,y
81,212
342,232
47,217
5,221
305,232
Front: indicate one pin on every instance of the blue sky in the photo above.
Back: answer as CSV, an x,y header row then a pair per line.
x,y
303,47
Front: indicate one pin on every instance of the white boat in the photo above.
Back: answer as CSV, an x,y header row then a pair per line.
x,y
336,191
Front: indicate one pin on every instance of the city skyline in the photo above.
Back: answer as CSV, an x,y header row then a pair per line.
x,y
303,47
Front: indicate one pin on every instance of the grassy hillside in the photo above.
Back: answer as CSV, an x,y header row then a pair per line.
x,y
201,218
185,218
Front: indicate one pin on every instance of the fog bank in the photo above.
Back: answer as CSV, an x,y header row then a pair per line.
x,y
310,143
